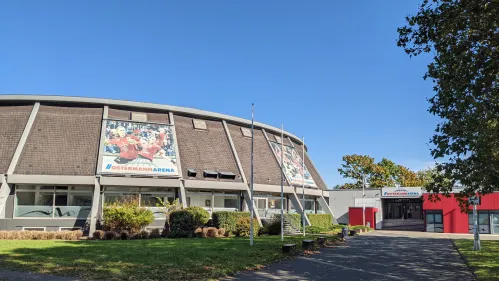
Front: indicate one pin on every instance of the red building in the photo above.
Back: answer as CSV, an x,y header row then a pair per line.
x,y
445,215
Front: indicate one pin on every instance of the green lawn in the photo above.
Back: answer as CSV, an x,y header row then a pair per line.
x,y
154,259
485,263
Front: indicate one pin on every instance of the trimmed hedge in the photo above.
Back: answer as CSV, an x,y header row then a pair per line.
x,y
320,220
181,224
228,220
200,215
40,235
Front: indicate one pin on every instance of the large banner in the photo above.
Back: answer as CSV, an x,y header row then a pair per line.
x,y
293,165
139,148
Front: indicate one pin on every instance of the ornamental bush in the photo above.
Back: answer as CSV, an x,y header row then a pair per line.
x,y
320,220
181,224
314,229
228,220
200,215
243,227
125,214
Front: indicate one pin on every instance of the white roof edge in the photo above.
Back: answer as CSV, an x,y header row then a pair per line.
x,y
144,105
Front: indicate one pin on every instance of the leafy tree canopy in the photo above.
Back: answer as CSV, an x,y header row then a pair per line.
x,y
463,38
376,175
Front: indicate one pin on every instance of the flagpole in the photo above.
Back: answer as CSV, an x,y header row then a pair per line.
x,y
282,182
252,178
303,182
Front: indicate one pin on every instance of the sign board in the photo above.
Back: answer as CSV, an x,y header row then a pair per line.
x,y
474,200
401,192
139,148
293,165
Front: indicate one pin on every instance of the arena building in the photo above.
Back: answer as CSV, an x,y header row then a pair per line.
x,y
62,158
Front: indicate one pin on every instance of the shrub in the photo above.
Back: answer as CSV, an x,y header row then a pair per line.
x,y
143,234
155,233
165,232
263,231
124,235
320,220
200,215
221,232
110,235
274,228
125,214
314,229
98,234
181,224
243,227
212,232
41,235
228,220
204,233
198,232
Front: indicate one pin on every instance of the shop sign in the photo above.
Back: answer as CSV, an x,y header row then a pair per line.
x,y
401,192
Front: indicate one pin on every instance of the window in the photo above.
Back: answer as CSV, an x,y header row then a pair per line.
x,y
53,201
210,174
199,124
34,228
434,221
246,132
483,222
69,228
226,201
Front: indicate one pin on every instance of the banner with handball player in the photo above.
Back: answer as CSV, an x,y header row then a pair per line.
x,y
139,148
293,165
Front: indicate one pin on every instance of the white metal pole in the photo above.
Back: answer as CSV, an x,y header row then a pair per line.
x,y
303,182
252,177
476,231
282,182
363,202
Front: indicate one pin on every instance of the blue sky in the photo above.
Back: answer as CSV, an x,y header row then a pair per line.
x,y
328,70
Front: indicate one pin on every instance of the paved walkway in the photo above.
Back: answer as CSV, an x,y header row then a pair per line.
x,y
377,256
419,234
26,276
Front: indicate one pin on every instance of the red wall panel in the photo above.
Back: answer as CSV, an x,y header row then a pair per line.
x,y
355,216
456,221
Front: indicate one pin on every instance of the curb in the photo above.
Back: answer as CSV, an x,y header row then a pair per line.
x,y
464,259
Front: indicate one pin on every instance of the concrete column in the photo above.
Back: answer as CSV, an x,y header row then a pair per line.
x,y
95,208
325,207
299,208
102,136
241,171
4,194
182,198
24,137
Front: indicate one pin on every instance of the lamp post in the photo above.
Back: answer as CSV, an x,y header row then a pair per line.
x,y
363,202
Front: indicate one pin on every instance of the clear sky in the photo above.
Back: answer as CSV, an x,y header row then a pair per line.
x,y
329,70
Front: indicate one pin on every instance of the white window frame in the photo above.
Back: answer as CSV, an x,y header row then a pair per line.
x,y
43,228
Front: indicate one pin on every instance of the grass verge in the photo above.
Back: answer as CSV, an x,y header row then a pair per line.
x,y
154,259
484,263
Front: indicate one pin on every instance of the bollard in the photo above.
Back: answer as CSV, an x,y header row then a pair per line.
x,y
288,248
321,241
307,244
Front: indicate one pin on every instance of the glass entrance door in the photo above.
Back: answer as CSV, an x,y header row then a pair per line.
x,y
434,221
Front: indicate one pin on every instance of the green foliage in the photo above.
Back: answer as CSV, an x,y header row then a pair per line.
x,y
199,214
462,38
181,224
315,229
274,228
243,227
320,220
125,214
228,220
375,175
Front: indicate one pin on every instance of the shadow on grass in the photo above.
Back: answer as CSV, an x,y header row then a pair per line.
x,y
155,259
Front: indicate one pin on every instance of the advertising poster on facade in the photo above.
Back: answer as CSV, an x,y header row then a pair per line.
x,y
293,165
139,148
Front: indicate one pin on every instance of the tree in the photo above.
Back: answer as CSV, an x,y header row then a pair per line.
x,y
463,37
406,177
384,174
356,167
